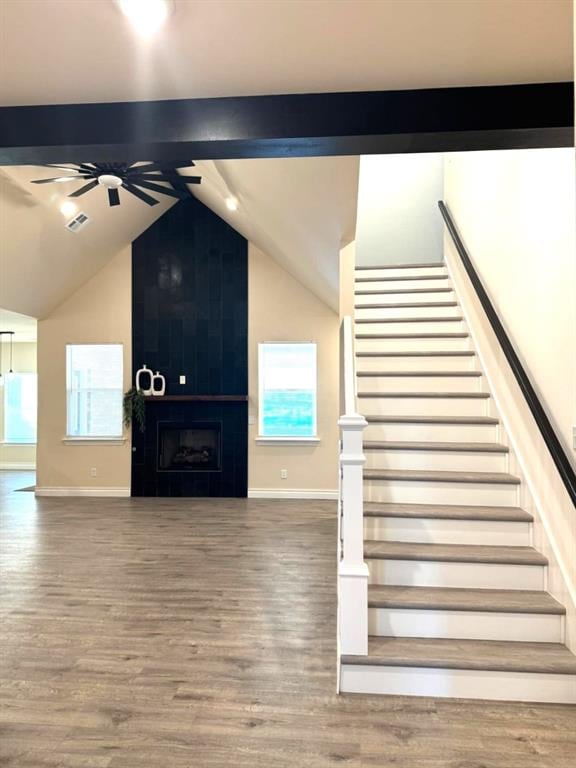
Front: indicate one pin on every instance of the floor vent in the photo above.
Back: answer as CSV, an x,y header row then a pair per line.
x,y
79,221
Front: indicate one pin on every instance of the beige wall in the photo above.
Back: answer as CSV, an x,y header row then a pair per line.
x,y
12,456
99,312
516,213
282,309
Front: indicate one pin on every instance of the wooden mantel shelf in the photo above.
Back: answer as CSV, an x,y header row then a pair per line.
x,y
196,398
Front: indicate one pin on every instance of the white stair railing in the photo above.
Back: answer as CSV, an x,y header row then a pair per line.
x,y
352,570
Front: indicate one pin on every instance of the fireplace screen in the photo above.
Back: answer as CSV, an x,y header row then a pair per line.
x,y
190,448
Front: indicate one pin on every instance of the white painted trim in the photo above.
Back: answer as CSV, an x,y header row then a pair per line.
x,y
8,444
94,440
260,440
18,465
81,492
293,493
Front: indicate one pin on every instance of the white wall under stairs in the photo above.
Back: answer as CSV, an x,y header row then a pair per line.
x,y
457,597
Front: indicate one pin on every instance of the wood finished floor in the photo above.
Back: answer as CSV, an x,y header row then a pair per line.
x,y
201,634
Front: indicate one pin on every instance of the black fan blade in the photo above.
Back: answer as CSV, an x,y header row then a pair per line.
x,y
161,190
113,197
60,178
191,179
85,188
167,164
139,194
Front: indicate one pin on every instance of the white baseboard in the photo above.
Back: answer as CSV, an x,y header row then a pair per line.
x,y
293,493
110,492
23,465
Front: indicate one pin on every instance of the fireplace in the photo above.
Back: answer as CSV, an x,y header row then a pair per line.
x,y
189,447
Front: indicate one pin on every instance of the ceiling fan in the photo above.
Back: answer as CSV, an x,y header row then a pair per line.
x,y
133,177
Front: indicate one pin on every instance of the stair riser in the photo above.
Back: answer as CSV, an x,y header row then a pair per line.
x,y
412,345
402,298
466,625
403,272
403,285
460,433
423,406
443,363
458,684
449,326
442,460
381,313
426,531
418,383
423,573
432,492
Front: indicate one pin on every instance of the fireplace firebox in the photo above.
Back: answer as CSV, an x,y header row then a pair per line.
x,y
189,447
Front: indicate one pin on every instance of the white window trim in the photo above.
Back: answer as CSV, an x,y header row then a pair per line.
x,y
288,439
91,440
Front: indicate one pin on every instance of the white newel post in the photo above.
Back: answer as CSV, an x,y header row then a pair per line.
x,y
352,570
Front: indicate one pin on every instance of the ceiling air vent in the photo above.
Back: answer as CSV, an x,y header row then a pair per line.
x,y
79,221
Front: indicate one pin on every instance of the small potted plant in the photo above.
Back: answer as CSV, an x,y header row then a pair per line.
x,y
134,407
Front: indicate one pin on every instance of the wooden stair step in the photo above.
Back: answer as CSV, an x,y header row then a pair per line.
x,y
443,374
485,655
458,599
431,395
383,419
384,291
432,265
455,335
419,353
399,277
365,320
400,445
452,553
396,305
446,512
441,476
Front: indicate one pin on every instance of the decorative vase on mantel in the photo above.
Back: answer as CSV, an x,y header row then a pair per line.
x,y
144,380
158,384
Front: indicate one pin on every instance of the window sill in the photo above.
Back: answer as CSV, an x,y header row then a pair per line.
x,y
9,444
286,440
93,440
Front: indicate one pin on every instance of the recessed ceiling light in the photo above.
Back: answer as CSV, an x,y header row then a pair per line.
x,y
232,203
68,208
146,16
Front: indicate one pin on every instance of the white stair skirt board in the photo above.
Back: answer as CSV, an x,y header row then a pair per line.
x,y
416,381
425,406
424,573
458,683
429,531
294,493
466,625
473,461
436,433
413,492
97,492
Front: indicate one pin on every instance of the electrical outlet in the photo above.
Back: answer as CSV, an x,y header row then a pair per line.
x,y
93,472
182,379
284,474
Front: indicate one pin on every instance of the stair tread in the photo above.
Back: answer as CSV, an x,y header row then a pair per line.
x,y
437,335
419,353
489,655
427,419
432,265
443,374
446,511
409,304
458,599
422,445
399,277
385,291
442,476
452,553
455,319
432,395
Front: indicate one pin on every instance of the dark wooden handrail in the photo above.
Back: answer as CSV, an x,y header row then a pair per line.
x,y
543,422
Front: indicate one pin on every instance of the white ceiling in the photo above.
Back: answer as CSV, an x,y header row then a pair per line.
x,y
63,51
25,328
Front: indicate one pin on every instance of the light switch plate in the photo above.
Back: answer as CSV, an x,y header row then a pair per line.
x,y
182,379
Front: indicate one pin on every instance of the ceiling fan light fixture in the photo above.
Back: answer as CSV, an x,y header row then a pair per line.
x,y
110,181
146,16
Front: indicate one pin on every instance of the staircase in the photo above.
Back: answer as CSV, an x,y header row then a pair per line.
x,y
457,601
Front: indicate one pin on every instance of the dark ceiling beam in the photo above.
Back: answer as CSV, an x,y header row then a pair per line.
x,y
432,120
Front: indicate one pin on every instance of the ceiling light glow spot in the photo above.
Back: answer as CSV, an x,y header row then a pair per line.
x,y
68,208
146,16
232,203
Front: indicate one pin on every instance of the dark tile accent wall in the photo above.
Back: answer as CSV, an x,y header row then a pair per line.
x,y
190,317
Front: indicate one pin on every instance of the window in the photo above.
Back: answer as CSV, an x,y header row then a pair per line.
x,y
94,390
20,406
287,390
